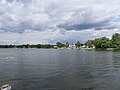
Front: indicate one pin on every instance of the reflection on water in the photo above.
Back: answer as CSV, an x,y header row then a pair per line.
x,y
40,69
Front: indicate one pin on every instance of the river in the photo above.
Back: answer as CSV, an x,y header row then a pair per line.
x,y
60,69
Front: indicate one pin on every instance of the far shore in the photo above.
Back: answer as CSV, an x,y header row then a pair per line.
x,y
80,48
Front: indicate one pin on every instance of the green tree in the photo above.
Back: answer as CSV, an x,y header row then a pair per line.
x,y
116,40
38,46
89,43
103,43
67,45
78,44
59,44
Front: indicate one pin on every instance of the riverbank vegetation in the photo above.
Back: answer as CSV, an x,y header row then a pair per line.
x,y
105,43
27,46
97,43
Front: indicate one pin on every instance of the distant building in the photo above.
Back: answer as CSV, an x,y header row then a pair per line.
x,y
55,47
83,46
88,47
72,46
92,46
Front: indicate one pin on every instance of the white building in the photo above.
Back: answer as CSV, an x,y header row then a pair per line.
x,y
72,46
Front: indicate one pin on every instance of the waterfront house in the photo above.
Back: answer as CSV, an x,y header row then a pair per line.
x,y
72,46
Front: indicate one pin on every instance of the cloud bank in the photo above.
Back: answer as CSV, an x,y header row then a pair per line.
x,y
49,21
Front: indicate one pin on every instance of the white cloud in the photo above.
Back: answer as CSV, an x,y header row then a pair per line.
x,y
52,36
49,21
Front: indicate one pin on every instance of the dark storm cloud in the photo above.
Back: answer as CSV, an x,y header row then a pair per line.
x,y
24,1
83,26
22,27
9,0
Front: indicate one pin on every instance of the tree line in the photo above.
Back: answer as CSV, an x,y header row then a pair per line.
x,y
104,42
66,45
98,43
27,46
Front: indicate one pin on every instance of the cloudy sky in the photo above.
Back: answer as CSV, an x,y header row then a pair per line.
x,y
49,21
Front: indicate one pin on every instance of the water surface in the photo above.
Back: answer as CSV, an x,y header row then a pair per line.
x,y
59,69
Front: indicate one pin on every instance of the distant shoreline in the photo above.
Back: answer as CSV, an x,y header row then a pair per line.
x,y
98,49
102,43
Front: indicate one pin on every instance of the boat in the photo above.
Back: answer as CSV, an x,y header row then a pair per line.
x,y
5,87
